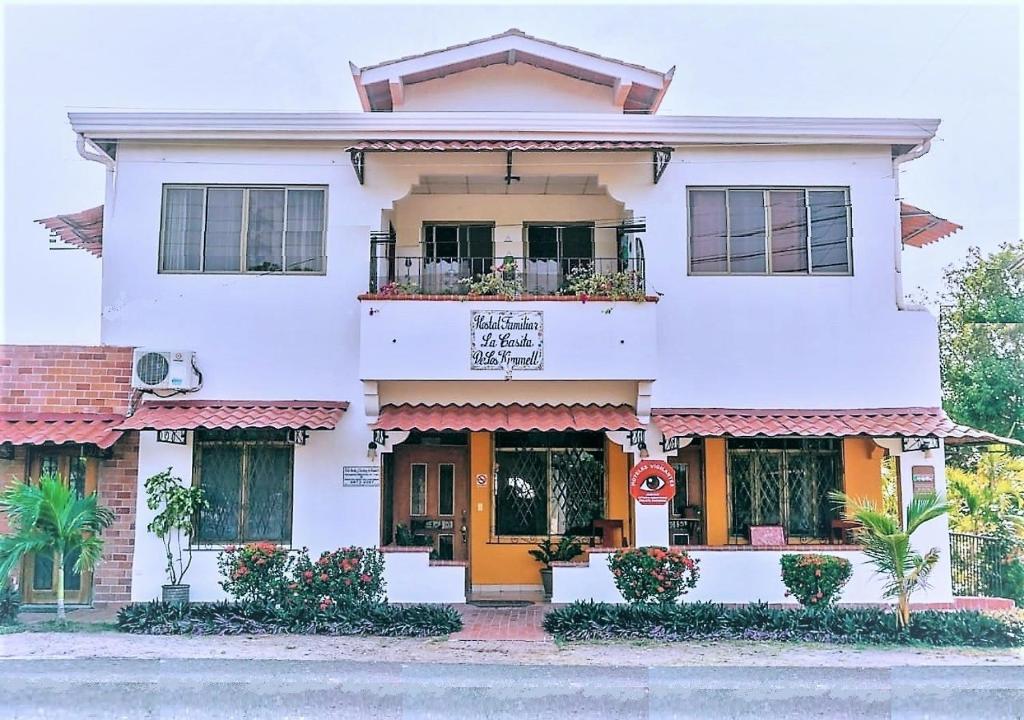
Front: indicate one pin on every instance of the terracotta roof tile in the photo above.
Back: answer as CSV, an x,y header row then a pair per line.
x,y
878,422
920,227
31,428
229,414
507,417
82,229
488,145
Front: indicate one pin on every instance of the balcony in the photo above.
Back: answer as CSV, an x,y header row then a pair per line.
x,y
526,318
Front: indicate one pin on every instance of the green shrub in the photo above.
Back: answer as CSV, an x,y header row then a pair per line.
x,y
256,572
653,574
227,618
815,580
708,621
350,574
10,602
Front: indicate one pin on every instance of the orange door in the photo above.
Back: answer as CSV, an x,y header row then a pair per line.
x,y
430,499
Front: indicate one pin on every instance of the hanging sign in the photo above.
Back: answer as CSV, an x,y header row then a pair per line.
x,y
506,340
652,482
360,476
922,478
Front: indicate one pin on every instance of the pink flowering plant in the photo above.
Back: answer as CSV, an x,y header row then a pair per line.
x,y
255,572
816,581
653,574
349,575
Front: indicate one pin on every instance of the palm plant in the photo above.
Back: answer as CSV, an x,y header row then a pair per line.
x,y
887,545
51,518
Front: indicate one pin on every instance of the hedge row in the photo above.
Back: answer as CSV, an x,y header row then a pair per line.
x,y
706,621
229,618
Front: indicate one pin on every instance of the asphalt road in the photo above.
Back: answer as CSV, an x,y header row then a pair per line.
x,y
279,689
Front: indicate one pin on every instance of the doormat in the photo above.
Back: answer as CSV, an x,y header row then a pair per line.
x,y
500,603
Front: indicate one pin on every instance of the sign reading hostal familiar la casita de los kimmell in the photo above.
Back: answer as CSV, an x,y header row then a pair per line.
x,y
506,340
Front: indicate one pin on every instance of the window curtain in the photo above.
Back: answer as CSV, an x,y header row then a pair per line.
x,y
304,242
266,230
223,229
829,231
707,231
183,229
789,231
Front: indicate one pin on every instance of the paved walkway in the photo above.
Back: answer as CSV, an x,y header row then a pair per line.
x,y
498,623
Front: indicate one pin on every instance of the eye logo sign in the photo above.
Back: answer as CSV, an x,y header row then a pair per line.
x,y
652,482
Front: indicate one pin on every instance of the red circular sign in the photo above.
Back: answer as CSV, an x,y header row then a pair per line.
x,y
652,482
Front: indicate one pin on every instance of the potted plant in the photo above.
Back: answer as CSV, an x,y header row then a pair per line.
x,y
180,509
548,552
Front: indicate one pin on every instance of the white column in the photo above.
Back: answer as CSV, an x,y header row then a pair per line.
x,y
934,533
651,520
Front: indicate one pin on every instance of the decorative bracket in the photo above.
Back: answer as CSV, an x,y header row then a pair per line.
x,y
509,177
359,164
662,157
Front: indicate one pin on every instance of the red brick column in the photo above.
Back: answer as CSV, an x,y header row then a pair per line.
x,y
117,488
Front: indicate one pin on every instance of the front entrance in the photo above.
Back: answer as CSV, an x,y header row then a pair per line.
x,y
430,498
39,574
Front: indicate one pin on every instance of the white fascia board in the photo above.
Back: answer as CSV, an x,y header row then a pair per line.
x,y
401,68
671,130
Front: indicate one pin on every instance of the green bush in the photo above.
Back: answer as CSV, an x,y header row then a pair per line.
x,y
350,574
653,574
815,580
709,621
10,602
227,618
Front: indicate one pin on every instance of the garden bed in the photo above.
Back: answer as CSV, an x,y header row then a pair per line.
x,y
710,621
231,618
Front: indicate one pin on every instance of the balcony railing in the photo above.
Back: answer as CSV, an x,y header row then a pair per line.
x,y
618,278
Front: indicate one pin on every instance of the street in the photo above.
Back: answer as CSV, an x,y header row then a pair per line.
x,y
224,689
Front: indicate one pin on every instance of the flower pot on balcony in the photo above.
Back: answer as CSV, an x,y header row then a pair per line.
x,y
545,579
175,594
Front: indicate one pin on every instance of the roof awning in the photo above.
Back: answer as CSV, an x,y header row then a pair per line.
x,y
920,227
546,418
503,145
876,422
82,229
228,415
28,428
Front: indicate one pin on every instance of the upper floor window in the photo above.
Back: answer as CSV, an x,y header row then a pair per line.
x,y
760,231
220,229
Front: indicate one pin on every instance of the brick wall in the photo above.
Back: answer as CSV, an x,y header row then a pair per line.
x,y
65,378
118,487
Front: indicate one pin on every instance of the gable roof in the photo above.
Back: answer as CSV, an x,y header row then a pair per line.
x,y
636,88
81,229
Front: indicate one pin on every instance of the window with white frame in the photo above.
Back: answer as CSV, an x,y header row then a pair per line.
x,y
770,231
226,229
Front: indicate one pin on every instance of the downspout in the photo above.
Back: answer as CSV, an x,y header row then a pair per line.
x,y
912,154
88,150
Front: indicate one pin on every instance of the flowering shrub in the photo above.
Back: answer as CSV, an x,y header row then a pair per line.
x,y
815,580
653,574
256,572
503,279
351,574
399,288
584,282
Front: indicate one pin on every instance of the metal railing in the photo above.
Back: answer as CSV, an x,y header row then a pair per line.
x,y
976,564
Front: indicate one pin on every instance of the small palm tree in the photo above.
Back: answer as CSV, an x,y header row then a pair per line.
x,y
51,518
887,545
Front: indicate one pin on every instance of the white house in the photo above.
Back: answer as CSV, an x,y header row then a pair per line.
x,y
403,330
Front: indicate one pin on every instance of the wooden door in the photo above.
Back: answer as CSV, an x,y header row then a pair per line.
x,y
430,498
39,574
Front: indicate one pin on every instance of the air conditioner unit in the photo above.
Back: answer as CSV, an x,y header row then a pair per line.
x,y
164,370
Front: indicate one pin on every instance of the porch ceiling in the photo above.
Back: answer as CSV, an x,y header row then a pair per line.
x,y
876,422
482,418
30,428
229,414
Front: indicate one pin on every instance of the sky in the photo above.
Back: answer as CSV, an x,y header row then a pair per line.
x,y
960,63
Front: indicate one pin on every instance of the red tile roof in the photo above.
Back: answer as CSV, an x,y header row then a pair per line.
x,y
229,414
507,417
32,428
488,145
878,422
920,227
82,229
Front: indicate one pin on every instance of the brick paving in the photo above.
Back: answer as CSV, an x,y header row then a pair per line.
x,y
509,623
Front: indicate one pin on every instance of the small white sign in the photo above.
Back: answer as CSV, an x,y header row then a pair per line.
x,y
506,340
360,476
